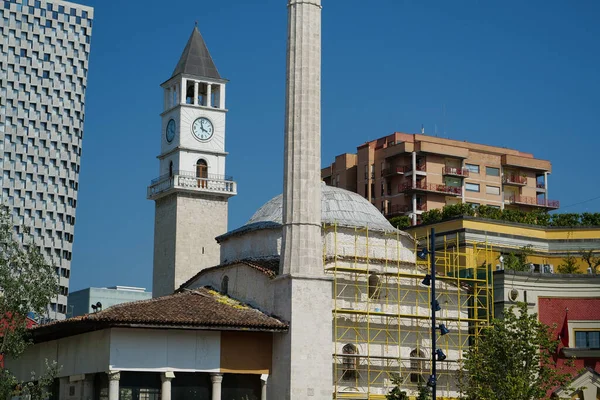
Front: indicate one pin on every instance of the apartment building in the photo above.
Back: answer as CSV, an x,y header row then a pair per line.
x,y
407,174
44,53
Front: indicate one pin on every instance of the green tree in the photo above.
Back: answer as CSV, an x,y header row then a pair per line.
x,y
592,259
518,260
590,219
27,283
512,360
569,265
400,222
396,393
566,219
431,216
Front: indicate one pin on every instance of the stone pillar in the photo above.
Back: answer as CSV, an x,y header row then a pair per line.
x,y
208,95
195,93
222,97
165,390
166,99
216,380
183,86
302,357
263,386
113,384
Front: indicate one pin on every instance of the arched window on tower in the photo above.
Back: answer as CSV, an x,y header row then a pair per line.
x,y
201,173
417,365
170,169
189,93
225,284
350,362
374,290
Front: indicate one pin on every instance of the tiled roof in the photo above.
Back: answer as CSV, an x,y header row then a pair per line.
x,y
202,308
268,266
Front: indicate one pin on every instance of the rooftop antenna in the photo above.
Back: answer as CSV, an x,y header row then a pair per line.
x,y
422,129
196,23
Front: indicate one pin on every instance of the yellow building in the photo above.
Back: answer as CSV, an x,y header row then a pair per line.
x,y
549,246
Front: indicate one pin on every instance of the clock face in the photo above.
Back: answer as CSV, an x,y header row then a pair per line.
x,y
202,129
170,132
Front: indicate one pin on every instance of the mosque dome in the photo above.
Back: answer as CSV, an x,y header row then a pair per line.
x,y
338,206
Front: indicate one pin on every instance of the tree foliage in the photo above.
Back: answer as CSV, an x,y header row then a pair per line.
x,y
537,217
396,393
569,265
518,260
591,258
512,360
400,222
27,284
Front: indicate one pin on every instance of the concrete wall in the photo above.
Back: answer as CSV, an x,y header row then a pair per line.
x,y
82,300
255,244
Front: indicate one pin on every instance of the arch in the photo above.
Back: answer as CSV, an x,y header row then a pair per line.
x,y
225,285
170,169
374,291
417,361
350,361
202,172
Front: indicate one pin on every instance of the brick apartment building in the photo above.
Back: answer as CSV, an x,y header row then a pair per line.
x,y
406,174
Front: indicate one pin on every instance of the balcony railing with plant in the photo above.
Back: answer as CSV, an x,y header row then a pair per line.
x,y
462,172
514,180
430,187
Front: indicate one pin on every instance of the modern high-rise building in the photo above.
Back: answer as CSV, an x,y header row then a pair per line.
x,y
44,53
407,174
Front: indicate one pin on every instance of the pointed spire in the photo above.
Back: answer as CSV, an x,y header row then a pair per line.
x,y
196,59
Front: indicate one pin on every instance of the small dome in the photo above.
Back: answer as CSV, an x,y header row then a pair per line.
x,y
338,206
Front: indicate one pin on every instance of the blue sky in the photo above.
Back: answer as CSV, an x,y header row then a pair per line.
x,y
520,74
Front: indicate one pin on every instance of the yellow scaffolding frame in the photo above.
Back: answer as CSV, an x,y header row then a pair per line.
x,y
387,319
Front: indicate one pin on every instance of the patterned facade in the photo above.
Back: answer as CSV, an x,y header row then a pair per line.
x,y
44,53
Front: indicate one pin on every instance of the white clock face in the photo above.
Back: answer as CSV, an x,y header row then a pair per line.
x,y
202,129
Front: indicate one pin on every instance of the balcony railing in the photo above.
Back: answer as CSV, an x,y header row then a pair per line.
x,y
514,180
462,172
533,201
187,180
540,185
395,170
420,168
430,187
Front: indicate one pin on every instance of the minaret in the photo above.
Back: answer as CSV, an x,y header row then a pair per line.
x,y
302,361
192,190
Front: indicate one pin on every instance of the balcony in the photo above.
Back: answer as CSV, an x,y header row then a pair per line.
x,y
532,201
540,187
188,182
453,171
430,187
514,180
400,170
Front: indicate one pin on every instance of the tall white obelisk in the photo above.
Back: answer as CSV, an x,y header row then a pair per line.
x,y
302,359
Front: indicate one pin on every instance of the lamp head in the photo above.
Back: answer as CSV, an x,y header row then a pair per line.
x,y
431,381
422,254
443,330
436,305
426,281
440,355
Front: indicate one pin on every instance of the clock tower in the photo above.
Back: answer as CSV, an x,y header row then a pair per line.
x,y
192,190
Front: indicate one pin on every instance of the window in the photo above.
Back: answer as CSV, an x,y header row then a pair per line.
x,y
472,168
374,286
491,171
495,190
587,339
225,285
417,358
472,187
350,361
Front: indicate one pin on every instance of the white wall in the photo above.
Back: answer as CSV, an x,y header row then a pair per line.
x,y
165,350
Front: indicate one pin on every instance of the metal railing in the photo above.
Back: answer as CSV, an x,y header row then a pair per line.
x,y
431,187
456,171
533,201
514,179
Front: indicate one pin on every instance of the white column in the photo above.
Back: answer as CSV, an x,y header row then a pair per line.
x,y
166,99
195,93
222,96
113,384
546,186
208,95
414,208
165,391
183,86
263,386
414,169
216,380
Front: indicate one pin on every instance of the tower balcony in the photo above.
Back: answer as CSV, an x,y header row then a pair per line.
x,y
187,181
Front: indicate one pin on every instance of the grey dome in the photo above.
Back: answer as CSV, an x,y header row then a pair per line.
x,y
338,206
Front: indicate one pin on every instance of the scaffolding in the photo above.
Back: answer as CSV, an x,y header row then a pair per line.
x,y
382,314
